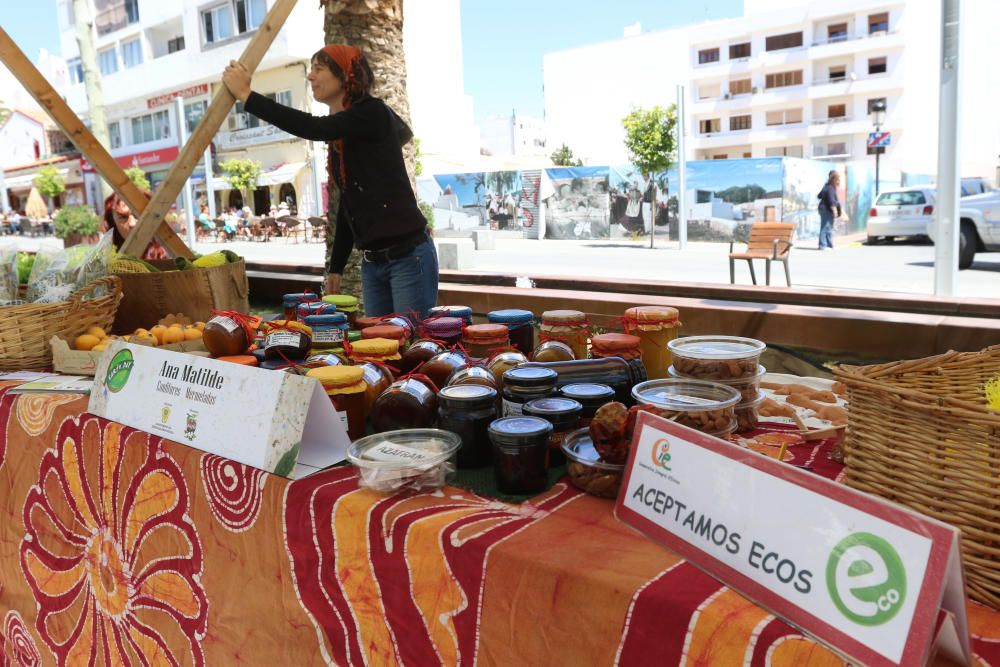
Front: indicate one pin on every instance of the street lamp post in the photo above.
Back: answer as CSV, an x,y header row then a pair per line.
x,y
878,117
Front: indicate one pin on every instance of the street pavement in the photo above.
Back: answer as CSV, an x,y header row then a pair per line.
x,y
897,267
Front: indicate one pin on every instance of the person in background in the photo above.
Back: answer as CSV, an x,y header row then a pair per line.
x,y
828,204
14,220
171,219
205,224
119,219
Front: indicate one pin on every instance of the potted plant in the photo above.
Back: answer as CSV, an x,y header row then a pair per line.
x,y
76,225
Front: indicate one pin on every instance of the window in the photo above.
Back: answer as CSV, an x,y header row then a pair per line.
x,y
720,156
783,79
241,120
878,23
784,117
905,198
737,51
112,15
739,122
836,111
748,154
150,127
70,17
875,100
786,151
708,56
709,125
836,32
132,11
107,60
193,113
836,148
709,91
218,23
877,65
132,53
838,73
789,40
249,14
75,69
115,135
176,44
282,97
37,146
739,87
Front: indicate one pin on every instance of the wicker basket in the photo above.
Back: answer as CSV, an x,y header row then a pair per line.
x,y
25,330
919,433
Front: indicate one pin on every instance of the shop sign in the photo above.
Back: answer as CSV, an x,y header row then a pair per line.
x,y
191,91
144,159
879,584
253,136
278,422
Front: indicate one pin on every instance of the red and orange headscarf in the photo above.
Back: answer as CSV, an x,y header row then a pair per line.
x,y
348,58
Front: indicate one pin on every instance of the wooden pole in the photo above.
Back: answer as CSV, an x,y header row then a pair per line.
x,y
83,138
222,101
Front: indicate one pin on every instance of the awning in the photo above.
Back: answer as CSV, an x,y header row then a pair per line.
x,y
25,181
286,173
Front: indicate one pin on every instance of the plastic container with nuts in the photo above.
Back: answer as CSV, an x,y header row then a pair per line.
x,y
410,459
748,387
586,470
716,357
748,414
708,407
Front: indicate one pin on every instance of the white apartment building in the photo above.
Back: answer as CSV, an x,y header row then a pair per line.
x,y
513,135
790,78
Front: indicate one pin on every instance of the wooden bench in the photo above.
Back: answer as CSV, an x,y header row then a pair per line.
x,y
769,241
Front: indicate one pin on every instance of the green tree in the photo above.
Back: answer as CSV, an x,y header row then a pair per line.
x,y
138,178
563,157
242,175
80,220
651,145
50,182
418,166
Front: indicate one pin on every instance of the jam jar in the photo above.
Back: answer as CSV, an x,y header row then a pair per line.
x,y
448,330
615,372
625,346
345,303
320,360
390,331
363,323
552,350
523,384
655,326
377,379
472,375
503,362
407,403
590,396
418,353
463,313
400,321
224,336
308,308
440,367
468,411
286,340
567,326
520,454
482,340
375,349
346,388
328,331
291,303
520,327
563,414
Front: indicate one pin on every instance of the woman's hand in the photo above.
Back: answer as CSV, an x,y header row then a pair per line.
x,y
332,284
237,80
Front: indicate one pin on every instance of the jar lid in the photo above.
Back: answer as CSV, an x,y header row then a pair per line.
x,y
562,413
588,393
741,382
486,333
752,403
444,325
716,347
564,316
400,321
241,359
337,376
376,348
316,307
511,316
463,312
292,325
341,299
651,316
384,331
467,396
613,342
518,430
326,320
299,297
530,377
363,323
578,446
685,395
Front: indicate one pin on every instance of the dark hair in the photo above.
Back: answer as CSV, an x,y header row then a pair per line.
x,y
361,81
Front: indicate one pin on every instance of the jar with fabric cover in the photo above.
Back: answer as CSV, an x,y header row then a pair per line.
x,y
655,326
291,303
287,340
346,388
328,331
621,345
448,330
482,340
345,303
377,378
463,313
308,308
567,326
520,327
390,331
374,349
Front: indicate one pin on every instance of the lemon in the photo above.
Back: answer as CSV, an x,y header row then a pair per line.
x,y
86,342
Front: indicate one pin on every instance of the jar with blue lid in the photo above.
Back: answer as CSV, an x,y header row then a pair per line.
x,y
520,324
310,308
464,313
329,331
291,303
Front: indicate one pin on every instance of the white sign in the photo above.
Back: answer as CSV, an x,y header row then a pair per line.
x,y
278,422
866,577
264,134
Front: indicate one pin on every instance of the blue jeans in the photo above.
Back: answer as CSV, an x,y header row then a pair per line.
x,y
825,228
402,285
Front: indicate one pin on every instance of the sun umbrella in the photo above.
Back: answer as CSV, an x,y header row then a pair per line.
x,y
36,207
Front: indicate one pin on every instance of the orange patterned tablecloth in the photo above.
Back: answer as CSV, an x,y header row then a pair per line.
x,y
119,547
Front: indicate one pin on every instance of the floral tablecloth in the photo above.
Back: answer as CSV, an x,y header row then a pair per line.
x,y
118,547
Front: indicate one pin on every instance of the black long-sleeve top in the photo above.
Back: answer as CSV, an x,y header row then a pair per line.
x,y
828,198
377,206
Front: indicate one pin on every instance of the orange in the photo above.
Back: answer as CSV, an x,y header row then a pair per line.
x,y
158,332
144,339
173,335
192,334
99,347
200,326
140,332
97,331
86,342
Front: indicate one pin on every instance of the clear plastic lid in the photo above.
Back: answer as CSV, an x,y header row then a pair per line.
x,y
685,395
740,382
752,403
418,448
578,446
716,347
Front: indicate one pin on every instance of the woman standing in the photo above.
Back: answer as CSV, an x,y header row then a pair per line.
x,y
378,211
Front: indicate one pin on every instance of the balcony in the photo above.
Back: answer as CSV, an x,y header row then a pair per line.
x,y
721,138
855,43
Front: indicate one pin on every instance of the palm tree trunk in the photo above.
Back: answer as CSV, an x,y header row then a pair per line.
x,y
375,27
91,80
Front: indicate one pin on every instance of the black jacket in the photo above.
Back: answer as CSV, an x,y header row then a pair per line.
x,y
377,206
828,199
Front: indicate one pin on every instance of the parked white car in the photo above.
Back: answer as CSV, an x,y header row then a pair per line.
x,y
979,230
901,212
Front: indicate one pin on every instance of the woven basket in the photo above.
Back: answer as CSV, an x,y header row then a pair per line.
x,y
919,434
25,330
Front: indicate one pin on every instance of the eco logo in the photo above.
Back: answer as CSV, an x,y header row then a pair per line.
x,y
661,453
164,414
119,371
866,579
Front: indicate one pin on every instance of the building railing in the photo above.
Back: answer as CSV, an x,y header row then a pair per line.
x,y
831,121
850,37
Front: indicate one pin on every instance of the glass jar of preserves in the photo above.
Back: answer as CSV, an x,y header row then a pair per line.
x,y
463,313
553,350
328,331
363,323
472,375
448,330
625,346
655,326
468,411
524,384
615,372
590,396
482,340
440,367
403,322
567,326
345,303
503,362
229,334
390,331
308,308
563,414
374,349
420,352
291,303
320,360
346,388
286,340
377,379
520,454
407,403
520,327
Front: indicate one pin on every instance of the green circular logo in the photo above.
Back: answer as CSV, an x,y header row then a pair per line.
x,y
866,579
118,371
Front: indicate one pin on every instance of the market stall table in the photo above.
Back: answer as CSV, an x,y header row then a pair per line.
x,y
116,543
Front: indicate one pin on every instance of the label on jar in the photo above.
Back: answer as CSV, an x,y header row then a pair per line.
x,y
227,323
283,339
342,415
512,409
392,453
684,398
328,336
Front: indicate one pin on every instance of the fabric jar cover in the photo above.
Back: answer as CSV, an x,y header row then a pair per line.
x,y
386,331
621,345
464,313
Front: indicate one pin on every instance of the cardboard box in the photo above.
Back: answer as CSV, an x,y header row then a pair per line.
x,y
79,362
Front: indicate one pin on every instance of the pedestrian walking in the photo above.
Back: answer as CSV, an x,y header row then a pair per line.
x,y
828,203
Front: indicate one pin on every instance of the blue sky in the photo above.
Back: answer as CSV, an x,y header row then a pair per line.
x,y
503,43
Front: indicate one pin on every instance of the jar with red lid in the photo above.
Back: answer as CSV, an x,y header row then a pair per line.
x,y
626,346
407,403
389,331
482,340
440,367
420,352
362,323
401,321
448,330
